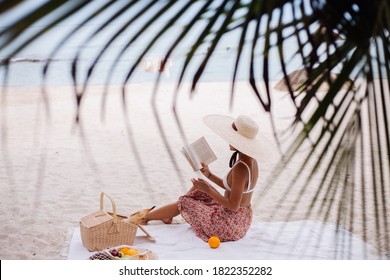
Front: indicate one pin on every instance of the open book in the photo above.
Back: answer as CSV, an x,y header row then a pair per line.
x,y
197,152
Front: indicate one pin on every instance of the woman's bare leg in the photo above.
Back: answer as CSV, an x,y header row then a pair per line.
x,y
164,213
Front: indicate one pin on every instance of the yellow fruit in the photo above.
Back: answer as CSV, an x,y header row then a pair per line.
x,y
132,252
214,242
128,251
124,250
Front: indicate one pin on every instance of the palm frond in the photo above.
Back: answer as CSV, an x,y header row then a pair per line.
x,y
74,31
5,6
201,38
19,28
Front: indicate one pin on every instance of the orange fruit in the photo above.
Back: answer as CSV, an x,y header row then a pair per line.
x,y
124,250
128,251
214,242
132,252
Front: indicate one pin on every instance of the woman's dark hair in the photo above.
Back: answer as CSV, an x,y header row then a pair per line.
x,y
233,158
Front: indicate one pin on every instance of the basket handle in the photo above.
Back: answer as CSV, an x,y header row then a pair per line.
x,y
102,194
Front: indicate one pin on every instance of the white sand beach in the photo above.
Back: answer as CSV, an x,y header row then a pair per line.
x,y
52,171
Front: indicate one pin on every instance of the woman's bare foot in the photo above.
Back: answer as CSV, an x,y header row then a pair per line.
x,y
143,221
167,221
140,216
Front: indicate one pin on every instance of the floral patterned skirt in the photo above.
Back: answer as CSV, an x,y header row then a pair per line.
x,y
207,217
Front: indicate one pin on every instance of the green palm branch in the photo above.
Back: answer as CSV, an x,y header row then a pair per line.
x,y
345,132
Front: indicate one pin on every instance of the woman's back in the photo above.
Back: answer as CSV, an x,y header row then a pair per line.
x,y
251,169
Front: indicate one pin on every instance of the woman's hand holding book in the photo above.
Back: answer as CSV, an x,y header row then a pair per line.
x,y
205,170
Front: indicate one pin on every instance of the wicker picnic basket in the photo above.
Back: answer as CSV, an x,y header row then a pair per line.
x,y
102,229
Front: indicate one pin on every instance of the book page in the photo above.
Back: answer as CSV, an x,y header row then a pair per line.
x,y
203,151
186,151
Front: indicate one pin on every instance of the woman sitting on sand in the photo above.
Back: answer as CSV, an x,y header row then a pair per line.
x,y
209,213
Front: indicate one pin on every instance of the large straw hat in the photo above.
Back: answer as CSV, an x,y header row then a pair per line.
x,y
241,133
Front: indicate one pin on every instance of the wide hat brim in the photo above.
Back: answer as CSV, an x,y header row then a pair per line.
x,y
222,126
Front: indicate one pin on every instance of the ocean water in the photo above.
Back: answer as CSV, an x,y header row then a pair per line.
x,y
26,67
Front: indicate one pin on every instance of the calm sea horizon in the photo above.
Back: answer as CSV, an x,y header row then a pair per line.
x,y
26,67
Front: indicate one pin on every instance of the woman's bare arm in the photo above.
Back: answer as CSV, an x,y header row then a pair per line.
x,y
209,175
217,180
233,201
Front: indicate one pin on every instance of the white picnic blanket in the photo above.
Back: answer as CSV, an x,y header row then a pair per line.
x,y
264,240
